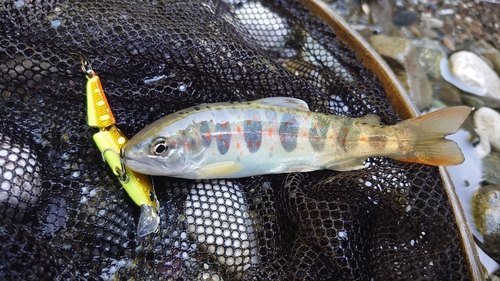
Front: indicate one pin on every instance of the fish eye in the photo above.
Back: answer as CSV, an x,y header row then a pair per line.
x,y
160,147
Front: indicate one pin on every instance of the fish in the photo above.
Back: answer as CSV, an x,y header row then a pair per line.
x,y
281,135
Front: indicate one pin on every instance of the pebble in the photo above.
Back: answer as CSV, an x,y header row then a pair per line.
x,y
470,73
431,22
405,18
486,122
381,15
402,56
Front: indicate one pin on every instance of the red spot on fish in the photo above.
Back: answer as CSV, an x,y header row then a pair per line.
x,y
249,143
304,135
317,138
270,131
363,139
208,135
238,145
249,122
224,124
257,143
238,129
271,148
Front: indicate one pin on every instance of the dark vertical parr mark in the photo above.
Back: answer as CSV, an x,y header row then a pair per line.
x,y
252,132
223,137
289,129
205,133
317,133
342,137
378,142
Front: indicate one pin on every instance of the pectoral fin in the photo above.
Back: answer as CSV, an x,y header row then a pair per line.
x,y
349,165
219,170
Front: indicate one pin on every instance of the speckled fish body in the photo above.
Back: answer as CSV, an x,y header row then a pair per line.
x,y
281,135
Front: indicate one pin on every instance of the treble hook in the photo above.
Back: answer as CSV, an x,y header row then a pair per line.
x,y
121,172
85,65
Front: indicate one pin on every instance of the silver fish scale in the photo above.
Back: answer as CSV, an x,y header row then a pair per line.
x,y
20,183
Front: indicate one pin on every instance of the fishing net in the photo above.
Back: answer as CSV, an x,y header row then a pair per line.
x,y
64,215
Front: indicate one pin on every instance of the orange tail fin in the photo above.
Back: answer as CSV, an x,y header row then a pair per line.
x,y
429,145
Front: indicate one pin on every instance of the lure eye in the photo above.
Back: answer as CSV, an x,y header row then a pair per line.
x,y
160,147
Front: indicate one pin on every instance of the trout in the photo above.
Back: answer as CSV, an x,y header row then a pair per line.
x,y
280,135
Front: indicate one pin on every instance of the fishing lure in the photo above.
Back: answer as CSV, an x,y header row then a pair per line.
x,y
280,135
110,141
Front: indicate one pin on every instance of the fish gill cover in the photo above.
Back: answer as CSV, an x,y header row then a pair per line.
x,y
63,214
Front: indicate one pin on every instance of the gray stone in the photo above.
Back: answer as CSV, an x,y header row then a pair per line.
x,y
430,54
402,57
470,73
482,48
491,168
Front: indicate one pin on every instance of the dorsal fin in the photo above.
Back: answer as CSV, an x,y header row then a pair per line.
x,y
287,102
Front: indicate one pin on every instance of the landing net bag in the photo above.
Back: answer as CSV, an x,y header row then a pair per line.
x,y
64,215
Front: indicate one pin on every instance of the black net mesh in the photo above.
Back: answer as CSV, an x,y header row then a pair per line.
x,y
64,215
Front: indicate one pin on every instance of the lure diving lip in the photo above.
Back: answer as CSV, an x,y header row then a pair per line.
x,y
110,141
280,135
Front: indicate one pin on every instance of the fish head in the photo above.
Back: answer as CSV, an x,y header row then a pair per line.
x,y
163,154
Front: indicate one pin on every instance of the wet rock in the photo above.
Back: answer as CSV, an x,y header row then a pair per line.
x,y
486,213
471,74
482,48
405,18
447,93
381,15
487,121
491,168
402,57
471,100
430,54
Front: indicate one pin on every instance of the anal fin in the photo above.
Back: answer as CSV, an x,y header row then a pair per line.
x,y
219,170
348,165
